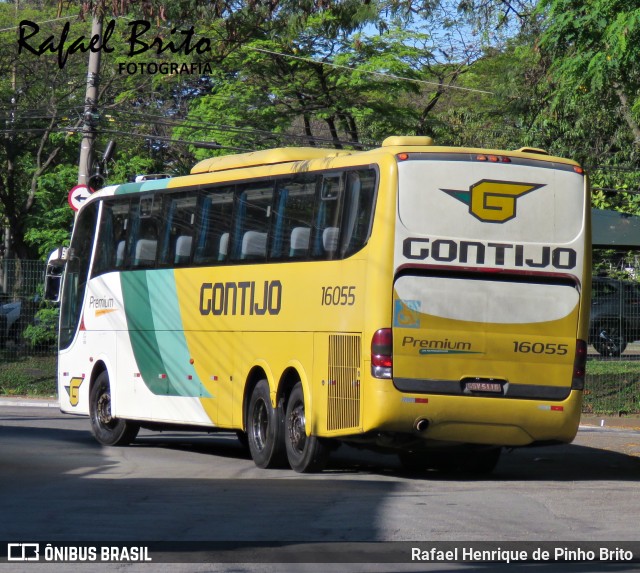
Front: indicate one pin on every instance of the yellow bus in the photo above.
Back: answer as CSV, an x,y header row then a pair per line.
x,y
430,301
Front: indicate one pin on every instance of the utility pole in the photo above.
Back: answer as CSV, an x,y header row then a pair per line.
x,y
91,103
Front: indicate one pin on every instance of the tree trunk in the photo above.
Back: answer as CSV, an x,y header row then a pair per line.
x,y
626,113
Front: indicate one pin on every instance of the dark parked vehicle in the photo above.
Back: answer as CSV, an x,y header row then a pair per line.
x,y
9,321
615,315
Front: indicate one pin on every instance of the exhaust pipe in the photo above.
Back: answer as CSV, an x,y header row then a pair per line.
x,y
421,425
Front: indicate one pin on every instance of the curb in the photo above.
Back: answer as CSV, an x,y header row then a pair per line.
x,y
610,422
29,403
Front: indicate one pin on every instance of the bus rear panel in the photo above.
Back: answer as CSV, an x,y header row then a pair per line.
x,y
488,319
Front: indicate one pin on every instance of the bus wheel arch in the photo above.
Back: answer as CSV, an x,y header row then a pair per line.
x,y
108,431
256,375
290,377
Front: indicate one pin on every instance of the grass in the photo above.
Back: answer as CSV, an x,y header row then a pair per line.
x,y
33,376
612,387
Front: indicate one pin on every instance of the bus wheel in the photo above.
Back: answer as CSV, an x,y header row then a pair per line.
x,y
265,429
306,454
107,430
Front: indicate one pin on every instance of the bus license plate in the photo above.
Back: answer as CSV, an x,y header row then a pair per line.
x,y
484,386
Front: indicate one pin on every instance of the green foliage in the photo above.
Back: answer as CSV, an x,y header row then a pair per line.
x,y
36,107
42,333
593,49
316,73
51,219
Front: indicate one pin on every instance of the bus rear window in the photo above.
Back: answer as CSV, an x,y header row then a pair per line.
x,y
510,202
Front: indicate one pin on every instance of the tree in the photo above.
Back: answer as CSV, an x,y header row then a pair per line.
x,y
37,104
42,101
323,84
594,52
595,48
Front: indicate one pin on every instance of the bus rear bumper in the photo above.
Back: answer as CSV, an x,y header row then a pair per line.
x,y
477,420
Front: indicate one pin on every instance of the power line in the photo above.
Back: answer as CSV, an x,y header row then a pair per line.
x,y
43,22
356,70
194,125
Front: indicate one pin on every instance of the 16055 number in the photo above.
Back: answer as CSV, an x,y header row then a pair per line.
x,y
338,295
525,347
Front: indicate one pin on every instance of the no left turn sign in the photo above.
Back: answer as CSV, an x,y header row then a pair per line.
x,y
78,195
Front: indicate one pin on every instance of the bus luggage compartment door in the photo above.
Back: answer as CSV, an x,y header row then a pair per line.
x,y
501,336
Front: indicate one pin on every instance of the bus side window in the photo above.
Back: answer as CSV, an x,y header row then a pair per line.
x,y
77,272
178,231
359,204
105,248
328,216
145,228
213,224
251,222
110,248
292,217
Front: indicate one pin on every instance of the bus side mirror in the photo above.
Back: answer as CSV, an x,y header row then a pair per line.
x,y
53,274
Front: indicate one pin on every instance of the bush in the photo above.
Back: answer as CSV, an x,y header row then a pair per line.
x,y
43,333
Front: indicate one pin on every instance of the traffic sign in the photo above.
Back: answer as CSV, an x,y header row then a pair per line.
x,y
78,195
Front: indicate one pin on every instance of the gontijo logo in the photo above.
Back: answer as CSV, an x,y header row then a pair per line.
x,y
73,389
493,201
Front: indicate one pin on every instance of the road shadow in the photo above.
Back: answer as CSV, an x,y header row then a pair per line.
x,y
59,484
568,462
602,459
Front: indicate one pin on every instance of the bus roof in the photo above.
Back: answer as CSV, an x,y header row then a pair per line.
x,y
393,145
266,157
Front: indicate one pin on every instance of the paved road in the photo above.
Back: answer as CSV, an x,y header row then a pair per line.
x,y
57,484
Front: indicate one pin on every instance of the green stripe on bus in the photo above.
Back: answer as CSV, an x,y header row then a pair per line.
x,y
142,186
156,335
170,334
127,188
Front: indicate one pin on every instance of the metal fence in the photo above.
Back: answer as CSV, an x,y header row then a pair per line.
x,y
27,323
28,327
613,367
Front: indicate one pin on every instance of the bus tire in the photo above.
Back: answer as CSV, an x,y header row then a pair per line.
x,y
306,454
265,429
107,430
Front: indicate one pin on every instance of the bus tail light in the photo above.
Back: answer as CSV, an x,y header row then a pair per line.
x,y
382,353
579,365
